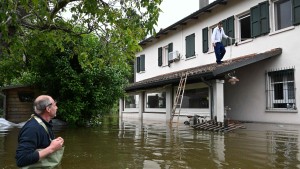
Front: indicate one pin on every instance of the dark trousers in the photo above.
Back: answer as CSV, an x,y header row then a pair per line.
x,y
219,51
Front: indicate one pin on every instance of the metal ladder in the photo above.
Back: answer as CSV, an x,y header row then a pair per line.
x,y
179,96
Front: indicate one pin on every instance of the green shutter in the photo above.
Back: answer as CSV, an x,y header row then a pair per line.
x,y
296,12
225,28
255,21
170,47
193,44
160,56
264,17
138,64
205,40
142,64
190,45
230,29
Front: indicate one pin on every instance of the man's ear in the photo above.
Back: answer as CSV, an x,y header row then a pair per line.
x,y
48,109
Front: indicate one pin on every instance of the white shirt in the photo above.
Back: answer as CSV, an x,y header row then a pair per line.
x,y
217,35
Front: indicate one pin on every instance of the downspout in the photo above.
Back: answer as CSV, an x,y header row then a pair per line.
x,y
211,96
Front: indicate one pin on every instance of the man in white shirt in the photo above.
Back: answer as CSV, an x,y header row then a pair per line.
x,y
216,39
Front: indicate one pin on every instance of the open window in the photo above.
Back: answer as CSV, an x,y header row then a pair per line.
x,y
244,26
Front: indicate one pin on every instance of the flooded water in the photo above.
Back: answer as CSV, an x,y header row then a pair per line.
x,y
151,145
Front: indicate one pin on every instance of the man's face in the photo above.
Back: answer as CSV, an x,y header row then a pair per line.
x,y
52,108
220,25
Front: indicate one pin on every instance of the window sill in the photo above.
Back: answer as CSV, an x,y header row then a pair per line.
x,y
282,30
243,42
189,58
282,111
141,72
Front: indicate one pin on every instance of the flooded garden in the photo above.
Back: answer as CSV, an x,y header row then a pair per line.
x,y
150,145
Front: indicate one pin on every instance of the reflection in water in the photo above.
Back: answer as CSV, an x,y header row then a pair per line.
x,y
284,146
148,145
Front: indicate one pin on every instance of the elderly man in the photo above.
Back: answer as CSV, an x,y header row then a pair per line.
x,y
36,140
216,38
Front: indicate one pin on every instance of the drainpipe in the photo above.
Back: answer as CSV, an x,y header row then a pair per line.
x,y
211,97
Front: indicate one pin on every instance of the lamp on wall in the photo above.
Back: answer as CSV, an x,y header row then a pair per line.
x,y
231,78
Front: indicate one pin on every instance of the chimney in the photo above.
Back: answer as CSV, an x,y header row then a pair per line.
x,y
203,3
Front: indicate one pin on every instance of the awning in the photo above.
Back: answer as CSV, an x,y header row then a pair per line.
x,y
207,72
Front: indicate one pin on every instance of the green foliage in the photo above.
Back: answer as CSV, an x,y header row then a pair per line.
x,y
83,61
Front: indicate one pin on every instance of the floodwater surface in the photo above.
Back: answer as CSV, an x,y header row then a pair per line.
x,y
150,145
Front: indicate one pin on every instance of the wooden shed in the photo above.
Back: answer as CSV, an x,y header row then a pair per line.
x,y
18,102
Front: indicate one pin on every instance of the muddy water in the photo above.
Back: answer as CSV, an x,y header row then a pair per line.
x,y
151,145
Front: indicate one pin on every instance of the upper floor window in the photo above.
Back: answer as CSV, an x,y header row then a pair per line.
x,y
244,26
283,14
190,46
281,89
228,27
140,63
163,54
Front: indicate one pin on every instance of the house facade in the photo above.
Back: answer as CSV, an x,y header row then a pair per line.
x,y
263,55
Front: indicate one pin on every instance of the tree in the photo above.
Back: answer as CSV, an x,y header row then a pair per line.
x,y
82,60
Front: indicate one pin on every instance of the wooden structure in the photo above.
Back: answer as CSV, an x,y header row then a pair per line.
x,y
18,102
213,125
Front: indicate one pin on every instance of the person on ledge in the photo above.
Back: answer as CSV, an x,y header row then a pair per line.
x,y
34,135
216,39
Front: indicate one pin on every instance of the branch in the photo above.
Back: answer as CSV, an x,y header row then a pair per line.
x,y
104,3
61,4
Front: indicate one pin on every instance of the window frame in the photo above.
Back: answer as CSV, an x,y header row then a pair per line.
x,y
274,7
157,110
240,17
163,55
140,63
271,92
193,111
131,109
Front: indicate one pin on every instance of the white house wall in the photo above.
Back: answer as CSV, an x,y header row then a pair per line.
x,y
247,98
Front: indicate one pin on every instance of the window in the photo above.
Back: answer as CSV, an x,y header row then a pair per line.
x,y
244,26
228,26
26,96
140,63
195,98
283,14
163,54
156,100
281,89
132,101
190,46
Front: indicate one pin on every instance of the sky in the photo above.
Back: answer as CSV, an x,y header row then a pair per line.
x,y
175,10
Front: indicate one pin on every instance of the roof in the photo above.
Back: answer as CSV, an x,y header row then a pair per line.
x,y
14,87
183,21
208,71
